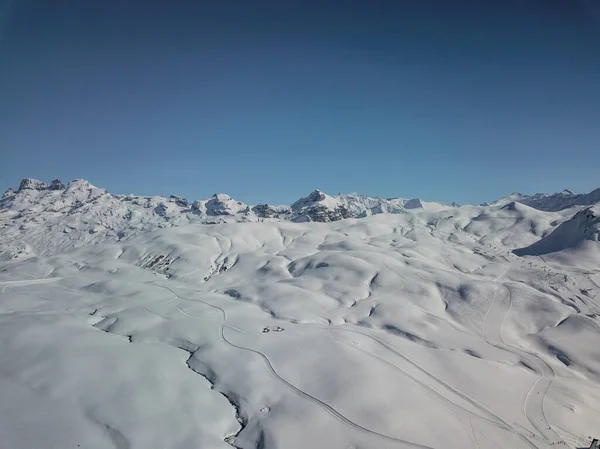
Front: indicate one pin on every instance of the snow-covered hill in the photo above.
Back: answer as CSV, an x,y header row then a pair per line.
x,y
340,321
574,242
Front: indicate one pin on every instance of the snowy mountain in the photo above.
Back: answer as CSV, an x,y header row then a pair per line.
x,y
554,202
576,241
340,321
38,211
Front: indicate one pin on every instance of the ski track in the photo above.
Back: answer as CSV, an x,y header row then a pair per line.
x,y
492,416
491,333
329,409
29,282
533,404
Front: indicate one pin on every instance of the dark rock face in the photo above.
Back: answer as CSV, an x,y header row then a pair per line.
x,y
312,208
32,184
221,204
161,210
322,214
180,201
414,203
317,195
56,184
265,211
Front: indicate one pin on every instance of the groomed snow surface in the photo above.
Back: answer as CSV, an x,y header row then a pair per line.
x,y
433,327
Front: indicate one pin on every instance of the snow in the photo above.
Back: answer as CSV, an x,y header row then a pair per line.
x,y
129,322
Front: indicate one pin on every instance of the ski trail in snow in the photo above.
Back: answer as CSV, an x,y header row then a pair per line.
x,y
29,282
328,408
493,417
446,403
491,332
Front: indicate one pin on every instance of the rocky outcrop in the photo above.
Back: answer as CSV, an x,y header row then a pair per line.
x,y
323,214
414,203
265,211
180,201
32,184
221,204
56,184
319,207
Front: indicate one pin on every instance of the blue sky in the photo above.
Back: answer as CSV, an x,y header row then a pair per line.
x,y
267,100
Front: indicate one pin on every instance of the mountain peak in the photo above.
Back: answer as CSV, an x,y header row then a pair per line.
x,y
316,195
56,184
222,204
32,184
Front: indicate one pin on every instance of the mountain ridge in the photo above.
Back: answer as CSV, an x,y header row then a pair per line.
x,y
358,205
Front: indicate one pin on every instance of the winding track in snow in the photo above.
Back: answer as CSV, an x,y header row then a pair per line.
x,y
491,332
329,409
493,418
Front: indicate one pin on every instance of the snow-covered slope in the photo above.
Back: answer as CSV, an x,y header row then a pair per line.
x,y
130,322
574,242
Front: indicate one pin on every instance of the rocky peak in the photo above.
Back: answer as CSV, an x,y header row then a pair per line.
x,y
56,184
32,184
316,196
179,200
319,207
265,211
221,204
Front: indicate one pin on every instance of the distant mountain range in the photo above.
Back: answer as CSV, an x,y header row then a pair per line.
x,y
553,202
80,213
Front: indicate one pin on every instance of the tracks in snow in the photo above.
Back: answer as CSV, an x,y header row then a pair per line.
x,y
491,333
329,409
491,416
28,282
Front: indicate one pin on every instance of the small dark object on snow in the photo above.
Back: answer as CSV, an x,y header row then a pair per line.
x,y
595,444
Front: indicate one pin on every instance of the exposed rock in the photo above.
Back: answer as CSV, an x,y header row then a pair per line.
x,y
161,210
319,207
56,184
265,211
221,204
180,201
414,203
316,195
323,214
198,206
32,184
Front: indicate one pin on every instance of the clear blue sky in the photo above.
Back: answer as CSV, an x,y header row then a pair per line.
x,y
267,100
